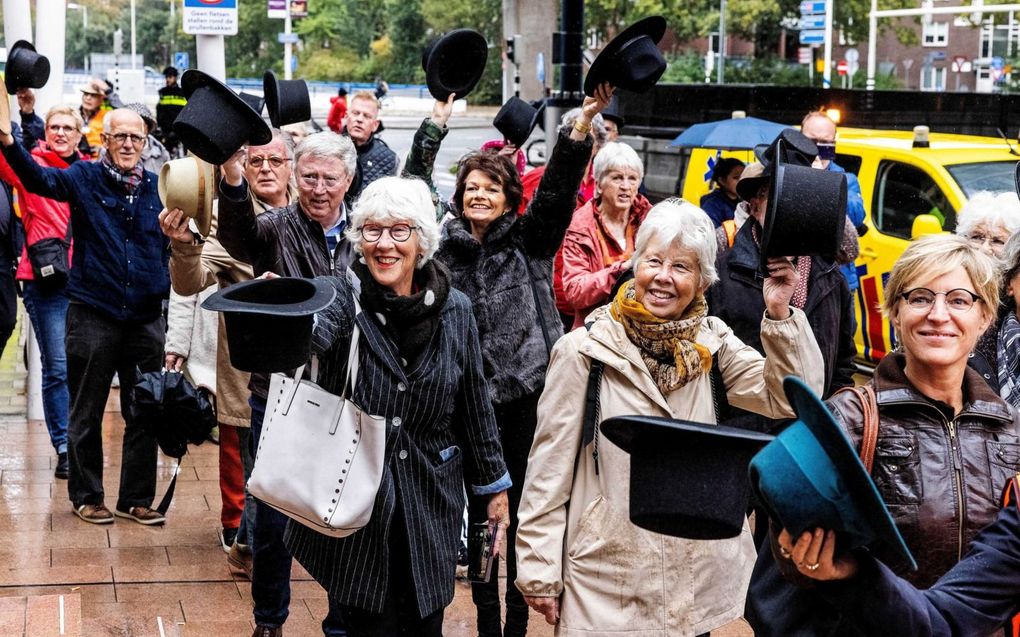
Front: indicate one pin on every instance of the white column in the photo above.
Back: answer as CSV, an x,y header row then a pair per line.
x,y
35,401
872,45
288,50
49,40
211,56
827,69
133,51
17,21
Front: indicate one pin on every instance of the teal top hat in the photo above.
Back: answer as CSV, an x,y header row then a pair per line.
x,y
810,477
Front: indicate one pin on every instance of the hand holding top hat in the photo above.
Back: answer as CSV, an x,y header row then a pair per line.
x,y
454,63
632,59
442,109
200,124
25,68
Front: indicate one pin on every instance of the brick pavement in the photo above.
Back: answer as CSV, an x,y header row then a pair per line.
x,y
124,579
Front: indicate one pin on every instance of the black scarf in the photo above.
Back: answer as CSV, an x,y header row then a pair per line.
x,y
409,321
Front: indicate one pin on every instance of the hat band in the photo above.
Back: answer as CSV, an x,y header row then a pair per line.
x,y
201,183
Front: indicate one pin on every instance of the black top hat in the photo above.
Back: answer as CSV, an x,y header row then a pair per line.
x,y
810,476
25,68
516,119
687,479
170,71
612,113
1016,178
454,63
200,124
254,101
287,100
269,321
632,60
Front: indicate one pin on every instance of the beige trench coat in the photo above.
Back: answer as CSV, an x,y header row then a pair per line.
x,y
575,538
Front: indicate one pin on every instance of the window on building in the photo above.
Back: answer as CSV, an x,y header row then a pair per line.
x,y
933,79
935,34
903,193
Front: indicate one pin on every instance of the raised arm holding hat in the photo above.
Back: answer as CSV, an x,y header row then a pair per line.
x,y
118,281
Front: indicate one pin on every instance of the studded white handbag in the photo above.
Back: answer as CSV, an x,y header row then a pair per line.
x,y
320,457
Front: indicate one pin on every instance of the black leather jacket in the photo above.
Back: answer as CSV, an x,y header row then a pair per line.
x,y
941,477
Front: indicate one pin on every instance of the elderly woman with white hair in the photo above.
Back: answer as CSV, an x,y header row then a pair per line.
x,y
988,220
600,240
580,561
421,368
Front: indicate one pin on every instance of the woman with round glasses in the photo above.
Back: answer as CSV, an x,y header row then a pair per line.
x,y
420,366
947,443
988,220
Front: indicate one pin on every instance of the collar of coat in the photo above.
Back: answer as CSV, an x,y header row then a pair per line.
x,y
892,387
607,341
459,237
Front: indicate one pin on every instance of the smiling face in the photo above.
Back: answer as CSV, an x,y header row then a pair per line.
x,y
125,138
484,200
62,134
667,278
939,337
618,187
322,184
391,262
268,181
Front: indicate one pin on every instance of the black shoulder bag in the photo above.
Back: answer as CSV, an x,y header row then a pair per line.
x,y
50,269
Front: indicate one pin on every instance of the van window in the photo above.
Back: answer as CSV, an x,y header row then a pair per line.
x,y
904,192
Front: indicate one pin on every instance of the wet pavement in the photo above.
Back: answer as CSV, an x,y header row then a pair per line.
x,y
62,576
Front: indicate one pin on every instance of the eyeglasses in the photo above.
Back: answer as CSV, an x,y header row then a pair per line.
x,y
274,161
312,181
958,300
57,128
90,94
120,138
977,239
399,232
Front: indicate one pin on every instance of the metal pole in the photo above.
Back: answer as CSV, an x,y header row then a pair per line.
x,y
287,51
872,45
719,72
211,59
827,68
133,63
571,92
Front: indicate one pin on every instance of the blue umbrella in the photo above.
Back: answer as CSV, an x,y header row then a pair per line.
x,y
730,134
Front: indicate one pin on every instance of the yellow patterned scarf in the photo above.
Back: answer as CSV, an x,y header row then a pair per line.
x,y
668,348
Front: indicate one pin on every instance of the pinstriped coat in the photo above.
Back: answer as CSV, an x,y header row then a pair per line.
x,y
440,402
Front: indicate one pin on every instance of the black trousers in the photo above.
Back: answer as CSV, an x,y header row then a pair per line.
x,y
517,421
400,616
98,346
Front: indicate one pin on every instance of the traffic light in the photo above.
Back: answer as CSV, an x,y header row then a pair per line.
x,y
511,45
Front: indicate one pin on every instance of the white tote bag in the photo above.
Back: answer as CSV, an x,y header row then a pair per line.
x,y
320,458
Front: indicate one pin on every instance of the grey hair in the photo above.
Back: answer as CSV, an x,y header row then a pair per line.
x,y
679,221
598,126
392,199
992,209
328,144
278,135
616,156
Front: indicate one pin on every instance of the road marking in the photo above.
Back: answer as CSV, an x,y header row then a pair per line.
x,y
159,623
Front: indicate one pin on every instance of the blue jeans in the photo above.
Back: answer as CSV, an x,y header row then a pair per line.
x,y
271,561
48,313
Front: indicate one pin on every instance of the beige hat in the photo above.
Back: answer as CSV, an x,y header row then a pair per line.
x,y
94,85
189,184
752,179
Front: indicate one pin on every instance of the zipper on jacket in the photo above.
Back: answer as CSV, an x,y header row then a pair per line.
x,y
954,451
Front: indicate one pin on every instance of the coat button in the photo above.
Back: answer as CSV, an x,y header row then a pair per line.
x,y
397,421
403,454
401,387
987,376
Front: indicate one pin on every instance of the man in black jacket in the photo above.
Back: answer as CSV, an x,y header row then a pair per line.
x,y
171,102
304,239
375,159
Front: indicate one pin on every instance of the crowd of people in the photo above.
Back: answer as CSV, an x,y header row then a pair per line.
x,y
498,329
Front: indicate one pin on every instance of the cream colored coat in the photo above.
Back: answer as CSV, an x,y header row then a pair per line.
x,y
575,538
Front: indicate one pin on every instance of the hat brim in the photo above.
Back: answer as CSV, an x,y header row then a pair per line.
x,y
463,49
202,214
653,26
281,296
193,80
622,430
816,416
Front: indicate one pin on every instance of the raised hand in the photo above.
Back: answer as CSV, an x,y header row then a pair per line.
x,y
441,111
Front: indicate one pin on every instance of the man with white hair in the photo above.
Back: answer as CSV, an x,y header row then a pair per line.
x,y
303,239
116,287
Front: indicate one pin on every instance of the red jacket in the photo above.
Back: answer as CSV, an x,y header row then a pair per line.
x,y
337,112
42,217
531,179
581,282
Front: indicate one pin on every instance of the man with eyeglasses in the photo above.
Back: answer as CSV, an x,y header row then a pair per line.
x,y
817,127
117,284
195,266
303,239
375,159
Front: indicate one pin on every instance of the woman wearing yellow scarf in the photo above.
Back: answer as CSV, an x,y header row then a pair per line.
x,y
581,562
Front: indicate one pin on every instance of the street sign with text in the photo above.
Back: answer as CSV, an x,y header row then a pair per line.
x,y
210,17
284,38
814,36
812,22
810,7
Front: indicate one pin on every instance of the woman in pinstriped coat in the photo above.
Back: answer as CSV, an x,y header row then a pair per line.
x,y
420,365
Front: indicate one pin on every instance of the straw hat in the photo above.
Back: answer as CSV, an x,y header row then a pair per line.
x,y
189,184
